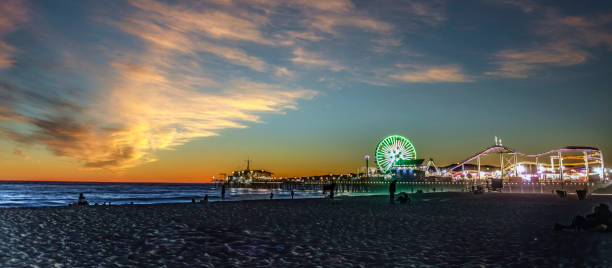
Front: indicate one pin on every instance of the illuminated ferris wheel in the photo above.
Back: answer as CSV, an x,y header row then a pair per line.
x,y
393,151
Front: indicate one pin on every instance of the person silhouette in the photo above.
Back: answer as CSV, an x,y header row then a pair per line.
x,y
292,193
223,191
271,195
599,220
392,187
82,201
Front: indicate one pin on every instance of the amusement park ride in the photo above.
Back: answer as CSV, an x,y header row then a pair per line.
x,y
396,157
572,163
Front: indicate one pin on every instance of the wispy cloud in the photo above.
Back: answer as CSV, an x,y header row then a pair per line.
x,y
384,45
12,13
519,63
429,12
328,16
526,6
194,31
314,59
451,73
203,21
20,153
284,72
567,40
336,6
158,96
328,22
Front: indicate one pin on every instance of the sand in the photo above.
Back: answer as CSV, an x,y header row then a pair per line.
x,y
438,229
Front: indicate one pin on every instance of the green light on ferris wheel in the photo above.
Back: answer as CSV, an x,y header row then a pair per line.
x,y
393,150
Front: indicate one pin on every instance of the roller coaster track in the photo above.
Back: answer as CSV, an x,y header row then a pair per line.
x,y
504,149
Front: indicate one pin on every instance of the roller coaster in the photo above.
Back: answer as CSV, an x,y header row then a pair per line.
x,y
570,163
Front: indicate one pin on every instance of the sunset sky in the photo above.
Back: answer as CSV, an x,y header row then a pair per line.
x,y
180,91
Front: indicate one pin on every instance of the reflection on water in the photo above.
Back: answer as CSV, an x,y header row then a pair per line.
x,y
33,194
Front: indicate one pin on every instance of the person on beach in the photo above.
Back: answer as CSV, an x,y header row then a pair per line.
x,y
82,201
223,191
600,220
205,200
392,186
292,193
403,198
271,195
332,189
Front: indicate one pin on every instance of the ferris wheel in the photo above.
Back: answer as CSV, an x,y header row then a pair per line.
x,y
392,150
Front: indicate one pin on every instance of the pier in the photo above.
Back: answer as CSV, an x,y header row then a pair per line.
x,y
382,187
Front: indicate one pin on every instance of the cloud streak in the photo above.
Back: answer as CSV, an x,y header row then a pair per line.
x,y
20,153
568,39
520,63
446,74
309,58
12,13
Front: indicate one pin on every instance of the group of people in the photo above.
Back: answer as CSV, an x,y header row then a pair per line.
x,y
331,188
82,201
600,220
403,197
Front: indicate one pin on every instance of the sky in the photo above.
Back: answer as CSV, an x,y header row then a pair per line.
x,y
181,91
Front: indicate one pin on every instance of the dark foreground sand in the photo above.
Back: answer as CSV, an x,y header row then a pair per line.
x,y
444,229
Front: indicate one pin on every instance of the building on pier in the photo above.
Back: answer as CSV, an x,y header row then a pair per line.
x,y
249,175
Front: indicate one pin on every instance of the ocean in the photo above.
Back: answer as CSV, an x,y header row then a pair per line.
x,y
43,194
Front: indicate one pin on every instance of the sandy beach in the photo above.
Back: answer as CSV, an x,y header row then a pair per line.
x,y
438,229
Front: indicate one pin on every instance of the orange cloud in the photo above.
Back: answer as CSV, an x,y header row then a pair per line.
x,y
328,22
328,5
20,153
213,23
159,96
188,42
433,74
159,115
